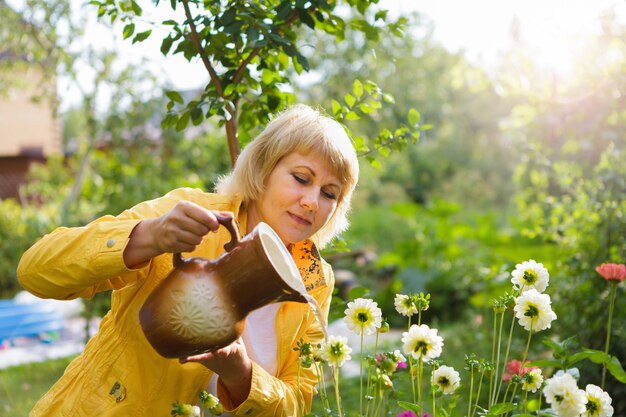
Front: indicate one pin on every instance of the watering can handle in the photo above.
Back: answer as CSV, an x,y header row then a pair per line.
x,y
228,221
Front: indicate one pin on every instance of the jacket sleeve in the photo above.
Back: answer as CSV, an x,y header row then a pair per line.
x,y
81,261
291,392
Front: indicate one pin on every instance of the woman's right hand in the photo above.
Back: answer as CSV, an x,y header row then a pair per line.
x,y
179,230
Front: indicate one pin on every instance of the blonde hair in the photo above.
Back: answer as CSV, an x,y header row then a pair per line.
x,y
300,129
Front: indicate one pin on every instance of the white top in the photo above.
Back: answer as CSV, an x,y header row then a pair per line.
x,y
259,338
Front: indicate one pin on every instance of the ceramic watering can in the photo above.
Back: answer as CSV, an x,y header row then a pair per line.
x,y
202,304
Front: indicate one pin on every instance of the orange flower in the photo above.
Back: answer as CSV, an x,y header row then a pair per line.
x,y
612,272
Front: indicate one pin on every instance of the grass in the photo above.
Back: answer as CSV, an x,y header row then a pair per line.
x,y
21,386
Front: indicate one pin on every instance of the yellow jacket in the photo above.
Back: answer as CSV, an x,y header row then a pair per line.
x,y
119,373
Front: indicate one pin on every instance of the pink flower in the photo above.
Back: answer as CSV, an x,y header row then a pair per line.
x,y
408,413
612,272
401,365
514,367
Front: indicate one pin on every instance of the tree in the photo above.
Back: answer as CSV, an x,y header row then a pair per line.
x,y
248,48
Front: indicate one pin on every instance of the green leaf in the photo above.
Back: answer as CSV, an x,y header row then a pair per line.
x,y
357,88
267,76
303,61
366,108
336,108
166,45
414,117
350,100
129,29
283,10
230,88
615,368
306,18
502,408
597,356
196,116
182,122
175,96
142,36
409,406
136,8
389,98
546,363
352,116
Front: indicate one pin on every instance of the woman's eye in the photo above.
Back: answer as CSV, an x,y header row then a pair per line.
x,y
329,195
300,179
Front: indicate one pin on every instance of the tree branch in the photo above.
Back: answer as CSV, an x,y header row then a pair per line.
x,y
205,58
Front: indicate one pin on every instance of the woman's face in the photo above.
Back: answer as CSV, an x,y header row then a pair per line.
x,y
300,196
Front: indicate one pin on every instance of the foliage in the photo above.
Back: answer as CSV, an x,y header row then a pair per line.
x,y
247,48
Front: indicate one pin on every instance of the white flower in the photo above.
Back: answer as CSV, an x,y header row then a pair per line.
x,y
447,379
336,351
422,342
563,395
529,275
598,402
363,315
195,411
405,305
532,380
533,310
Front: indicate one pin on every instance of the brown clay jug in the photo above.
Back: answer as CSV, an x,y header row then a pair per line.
x,y
202,304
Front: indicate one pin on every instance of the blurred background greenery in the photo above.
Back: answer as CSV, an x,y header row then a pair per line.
x,y
515,164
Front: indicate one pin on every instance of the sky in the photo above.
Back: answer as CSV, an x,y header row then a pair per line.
x,y
481,28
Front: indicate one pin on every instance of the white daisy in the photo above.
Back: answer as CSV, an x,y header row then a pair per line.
x,y
564,397
405,305
336,351
422,342
195,411
598,402
363,315
532,380
447,379
533,310
529,275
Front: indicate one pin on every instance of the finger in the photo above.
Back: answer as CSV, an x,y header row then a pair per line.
x,y
197,358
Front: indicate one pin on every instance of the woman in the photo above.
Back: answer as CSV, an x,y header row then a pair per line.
x,y
297,176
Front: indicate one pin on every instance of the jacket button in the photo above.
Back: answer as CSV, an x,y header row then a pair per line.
x,y
110,243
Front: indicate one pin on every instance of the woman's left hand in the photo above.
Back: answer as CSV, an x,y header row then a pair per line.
x,y
233,366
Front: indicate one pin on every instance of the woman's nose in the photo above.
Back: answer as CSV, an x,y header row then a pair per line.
x,y
309,200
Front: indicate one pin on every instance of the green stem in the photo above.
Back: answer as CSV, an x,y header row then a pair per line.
x,y
608,328
361,377
434,401
508,349
369,369
506,392
379,402
420,374
469,402
480,385
494,358
337,397
323,392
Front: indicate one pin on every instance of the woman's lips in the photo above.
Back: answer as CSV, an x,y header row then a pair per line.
x,y
300,220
